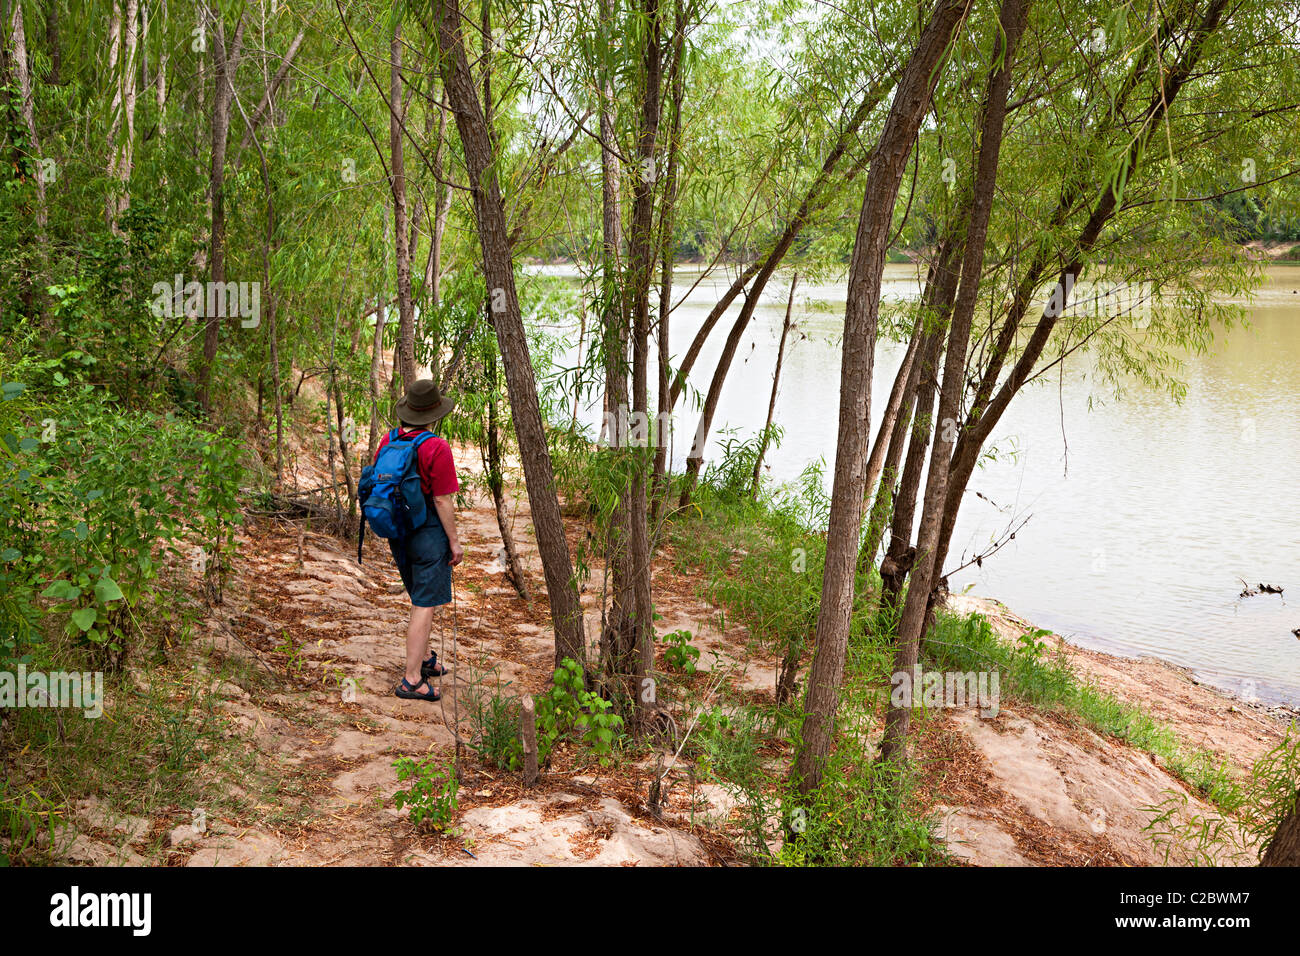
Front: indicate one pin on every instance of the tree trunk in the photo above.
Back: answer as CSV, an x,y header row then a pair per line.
x,y
376,375
776,384
498,267
401,249
889,159
226,62
121,131
53,45
936,309
160,79
441,209
642,254
496,484
664,401
883,504
916,606
876,460
14,71
1283,847
618,634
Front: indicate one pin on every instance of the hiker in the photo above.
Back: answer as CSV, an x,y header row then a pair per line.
x,y
419,521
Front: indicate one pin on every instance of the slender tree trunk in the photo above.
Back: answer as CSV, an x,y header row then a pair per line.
x,y
405,307
884,176
916,606
53,44
160,79
776,385
642,254
618,634
269,300
667,250
441,209
13,58
121,132
936,310
376,375
226,62
496,484
876,460
883,505
489,212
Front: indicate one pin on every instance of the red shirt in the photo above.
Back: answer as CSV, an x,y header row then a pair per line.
x,y
436,467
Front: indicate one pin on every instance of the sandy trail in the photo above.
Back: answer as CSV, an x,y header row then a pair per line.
x,y
322,640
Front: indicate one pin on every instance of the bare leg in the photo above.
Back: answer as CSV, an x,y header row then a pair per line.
x,y
417,642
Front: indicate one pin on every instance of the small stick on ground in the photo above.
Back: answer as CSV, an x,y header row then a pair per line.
x,y
528,719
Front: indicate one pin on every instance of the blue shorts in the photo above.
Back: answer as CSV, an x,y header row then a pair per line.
x,y
423,561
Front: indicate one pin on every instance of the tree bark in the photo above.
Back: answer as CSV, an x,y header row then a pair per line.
x,y
496,484
225,62
642,254
936,310
916,606
498,267
1283,847
121,131
664,401
776,384
911,99
401,249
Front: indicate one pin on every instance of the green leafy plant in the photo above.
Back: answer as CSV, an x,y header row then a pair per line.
x,y
494,724
679,652
431,796
569,709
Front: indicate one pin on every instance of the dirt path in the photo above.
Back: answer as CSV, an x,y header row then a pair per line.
x,y
311,644
307,612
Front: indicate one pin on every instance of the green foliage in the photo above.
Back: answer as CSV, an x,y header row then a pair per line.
x,y
94,499
1264,799
494,724
569,710
566,711
679,652
431,796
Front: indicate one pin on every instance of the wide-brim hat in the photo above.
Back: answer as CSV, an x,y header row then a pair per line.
x,y
423,404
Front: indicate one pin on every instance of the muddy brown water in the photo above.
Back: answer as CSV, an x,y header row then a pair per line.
x,y
1146,514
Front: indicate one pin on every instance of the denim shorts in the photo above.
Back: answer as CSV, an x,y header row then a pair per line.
x,y
423,560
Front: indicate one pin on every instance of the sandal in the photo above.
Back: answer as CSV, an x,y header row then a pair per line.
x,y
407,691
431,667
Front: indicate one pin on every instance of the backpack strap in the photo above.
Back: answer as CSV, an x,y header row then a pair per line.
x,y
420,438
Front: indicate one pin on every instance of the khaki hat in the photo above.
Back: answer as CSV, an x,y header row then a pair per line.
x,y
423,404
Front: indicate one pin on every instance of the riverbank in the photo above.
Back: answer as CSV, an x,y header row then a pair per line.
x,y
1207,716
295,671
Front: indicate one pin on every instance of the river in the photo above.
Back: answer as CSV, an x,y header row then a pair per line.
x,y
1145,515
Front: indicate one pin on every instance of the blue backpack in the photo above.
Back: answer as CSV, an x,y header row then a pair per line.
x,y
392,501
